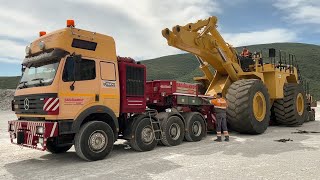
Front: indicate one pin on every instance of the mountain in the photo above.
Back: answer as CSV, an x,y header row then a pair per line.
x,y
184,67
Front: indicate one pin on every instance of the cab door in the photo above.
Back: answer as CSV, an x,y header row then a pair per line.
x,y
109,92
79,87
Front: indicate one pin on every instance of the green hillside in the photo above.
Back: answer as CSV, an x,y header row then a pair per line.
x,y
9,82
184,67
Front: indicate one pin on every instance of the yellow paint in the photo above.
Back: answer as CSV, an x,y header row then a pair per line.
x,y
259,106
300,104
204,41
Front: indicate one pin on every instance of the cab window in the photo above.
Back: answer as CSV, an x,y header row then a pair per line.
x,y
84,70
108,71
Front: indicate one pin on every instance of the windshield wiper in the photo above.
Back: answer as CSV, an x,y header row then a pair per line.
x,y
38,79
24,84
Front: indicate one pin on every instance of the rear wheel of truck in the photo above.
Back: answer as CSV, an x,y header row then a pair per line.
x,y
55,148
173,131
292,109
94,141
144,136
248,106
195,126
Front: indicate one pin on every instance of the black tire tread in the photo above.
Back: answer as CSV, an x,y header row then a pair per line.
x,y
238,98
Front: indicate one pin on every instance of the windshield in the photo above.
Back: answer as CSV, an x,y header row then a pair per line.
x,y
37,74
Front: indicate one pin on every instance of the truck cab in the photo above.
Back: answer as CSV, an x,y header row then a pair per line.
x,y
76,91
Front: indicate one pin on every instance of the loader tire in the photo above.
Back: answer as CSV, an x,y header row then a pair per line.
x,y
292,109
173,131
248,106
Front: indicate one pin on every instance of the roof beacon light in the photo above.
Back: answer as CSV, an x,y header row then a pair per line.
x,y
70,23
42,33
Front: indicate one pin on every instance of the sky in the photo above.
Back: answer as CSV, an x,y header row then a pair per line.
x,y
136,25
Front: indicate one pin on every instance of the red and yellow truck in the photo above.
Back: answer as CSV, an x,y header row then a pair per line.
x,y
76,91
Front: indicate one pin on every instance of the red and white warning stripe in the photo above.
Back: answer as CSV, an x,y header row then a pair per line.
x,y
51,104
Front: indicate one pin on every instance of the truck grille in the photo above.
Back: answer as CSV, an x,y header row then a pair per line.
x,y
41,104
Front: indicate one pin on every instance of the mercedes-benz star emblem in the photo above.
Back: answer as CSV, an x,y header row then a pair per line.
x,y
26,104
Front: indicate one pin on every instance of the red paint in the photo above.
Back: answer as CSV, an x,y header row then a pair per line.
x,y
130,104
29,129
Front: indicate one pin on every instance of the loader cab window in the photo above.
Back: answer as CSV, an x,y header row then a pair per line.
x,y
84,70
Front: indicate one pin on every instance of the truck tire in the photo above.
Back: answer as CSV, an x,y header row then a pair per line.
x,y
248,106
94,141
292,109
144,136
173,131
195,126
53,148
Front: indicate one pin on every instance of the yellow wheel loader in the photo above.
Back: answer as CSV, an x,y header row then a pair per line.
x,y
252,87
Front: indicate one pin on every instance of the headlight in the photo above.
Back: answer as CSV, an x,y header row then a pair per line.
x,y
40,130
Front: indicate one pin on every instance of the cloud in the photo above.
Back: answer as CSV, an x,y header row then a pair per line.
x,y
300,11
260,37
135,25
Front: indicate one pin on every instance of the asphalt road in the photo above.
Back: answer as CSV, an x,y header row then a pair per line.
x,y
244,157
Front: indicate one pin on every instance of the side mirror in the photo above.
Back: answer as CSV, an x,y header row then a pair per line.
x,y
76,59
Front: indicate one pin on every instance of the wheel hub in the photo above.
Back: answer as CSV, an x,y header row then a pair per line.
x,y
196,128
175,131
300,104
259,106
98,140
147,135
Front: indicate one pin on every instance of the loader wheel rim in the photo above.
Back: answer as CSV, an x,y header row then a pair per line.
x,y
147,135
300,104
175,131
259,106
98,141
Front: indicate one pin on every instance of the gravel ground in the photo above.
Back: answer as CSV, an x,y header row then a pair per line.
x,y
245,157
6,96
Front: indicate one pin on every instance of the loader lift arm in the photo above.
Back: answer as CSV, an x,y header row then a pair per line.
x,y
204,41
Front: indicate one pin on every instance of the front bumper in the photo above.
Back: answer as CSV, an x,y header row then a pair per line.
x,y
24,133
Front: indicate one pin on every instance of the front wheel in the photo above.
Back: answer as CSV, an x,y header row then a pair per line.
x,y
94,141
248,106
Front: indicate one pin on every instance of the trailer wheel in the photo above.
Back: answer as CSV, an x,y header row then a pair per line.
x,y
248,106
292,109
94,141
195,127
173,131
56,149
143,136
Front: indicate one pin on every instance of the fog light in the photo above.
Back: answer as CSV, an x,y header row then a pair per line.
x,y
40,130
41,140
